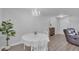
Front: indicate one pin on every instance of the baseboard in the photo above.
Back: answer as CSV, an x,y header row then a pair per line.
x,y
15,43
12,45
1,48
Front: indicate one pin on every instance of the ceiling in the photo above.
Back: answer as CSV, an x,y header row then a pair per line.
x,y
50,11
57,11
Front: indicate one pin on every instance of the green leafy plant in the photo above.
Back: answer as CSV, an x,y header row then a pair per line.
x,y
6,28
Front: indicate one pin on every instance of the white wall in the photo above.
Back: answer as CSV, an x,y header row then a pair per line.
x,y
63,23
53,21
24,22
1,37
74,22
0,13
69,22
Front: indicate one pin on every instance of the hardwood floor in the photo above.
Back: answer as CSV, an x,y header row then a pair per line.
x,y
57,43
20,47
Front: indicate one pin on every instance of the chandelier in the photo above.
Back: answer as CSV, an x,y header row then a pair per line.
x,y
35,12
60,16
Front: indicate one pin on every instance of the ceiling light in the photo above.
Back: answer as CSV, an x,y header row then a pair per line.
x,y
61,16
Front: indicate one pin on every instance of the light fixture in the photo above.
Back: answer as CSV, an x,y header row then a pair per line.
x,y
60,16
35,12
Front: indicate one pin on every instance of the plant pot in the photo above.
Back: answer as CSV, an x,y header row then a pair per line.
x,y
7,44
7,47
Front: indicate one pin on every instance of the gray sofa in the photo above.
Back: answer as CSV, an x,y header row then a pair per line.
x,y
72,36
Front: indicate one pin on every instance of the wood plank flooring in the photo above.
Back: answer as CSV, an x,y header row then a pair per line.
x,y
57,43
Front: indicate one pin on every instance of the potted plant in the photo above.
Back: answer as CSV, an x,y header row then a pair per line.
x,y
6,28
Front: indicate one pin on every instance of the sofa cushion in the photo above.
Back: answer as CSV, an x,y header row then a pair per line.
x,y
71,31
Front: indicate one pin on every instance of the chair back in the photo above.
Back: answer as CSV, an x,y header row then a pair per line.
x,y
69,32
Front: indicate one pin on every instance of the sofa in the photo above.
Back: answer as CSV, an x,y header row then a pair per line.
x,y
72,36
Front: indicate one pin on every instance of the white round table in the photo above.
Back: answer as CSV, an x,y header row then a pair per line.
x,y
38,42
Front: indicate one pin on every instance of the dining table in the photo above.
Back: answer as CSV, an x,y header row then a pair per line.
x,y
37,41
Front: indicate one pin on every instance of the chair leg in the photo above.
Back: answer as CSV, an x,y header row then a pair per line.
x,y
24,47
31,48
